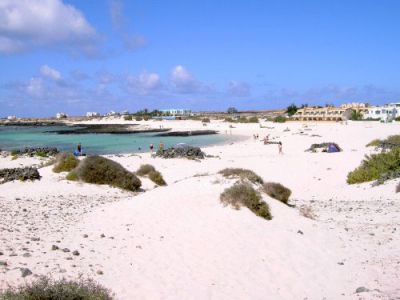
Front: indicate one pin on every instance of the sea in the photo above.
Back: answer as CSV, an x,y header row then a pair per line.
x,y
19,137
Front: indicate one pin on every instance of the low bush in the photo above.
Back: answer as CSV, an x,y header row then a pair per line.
x,y
253,119
65,162
146,118
205,120
157,178
279,119
138,118
376,166
14,152
244,194
145,170
277,191
128,118
390,142
374,143
398,188
47,289
242,174
100,170
72,176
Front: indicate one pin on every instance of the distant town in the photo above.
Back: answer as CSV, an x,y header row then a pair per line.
x,y
350,111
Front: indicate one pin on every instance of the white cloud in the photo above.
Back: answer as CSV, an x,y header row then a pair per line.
x,y
48,72
184,82
28,24
144,82
239,89
131,41
35,87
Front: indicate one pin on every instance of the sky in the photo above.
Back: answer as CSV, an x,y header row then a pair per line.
x,y
100,55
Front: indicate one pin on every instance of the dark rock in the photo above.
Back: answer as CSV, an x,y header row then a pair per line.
x,y
188,133
25,272
300,232
184,151
37,151
54,247
76,253
99,272
66,250
85,236
26,254
361,289
27,173
3,263
102,235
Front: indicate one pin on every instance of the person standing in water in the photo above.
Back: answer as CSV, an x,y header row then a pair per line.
x,y
151,148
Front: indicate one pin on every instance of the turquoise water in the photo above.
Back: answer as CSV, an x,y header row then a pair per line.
x,y
15,137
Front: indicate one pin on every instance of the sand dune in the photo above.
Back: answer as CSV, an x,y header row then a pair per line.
x,y
180,242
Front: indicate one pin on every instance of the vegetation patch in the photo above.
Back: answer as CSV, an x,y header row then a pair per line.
x,y
157,178
205,120
398,188
100,170
145,170
376,167
65,162
390,142
242,174
47,289
279,119
277,191
243,194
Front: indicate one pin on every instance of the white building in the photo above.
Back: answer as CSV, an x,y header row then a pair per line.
x,y
92,114
11,118
176,112
61,115
385,113
111,114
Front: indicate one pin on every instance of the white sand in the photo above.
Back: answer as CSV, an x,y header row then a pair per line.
x,y
180,242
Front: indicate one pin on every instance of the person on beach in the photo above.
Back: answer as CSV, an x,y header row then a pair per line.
x,y
161,146
266,139
151,148
280,148
79,148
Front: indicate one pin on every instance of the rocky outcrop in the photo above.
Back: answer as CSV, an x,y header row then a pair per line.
x,y
36,151
106,128
27,173
188,133
186,152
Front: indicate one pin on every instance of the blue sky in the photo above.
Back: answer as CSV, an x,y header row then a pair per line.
x,y
79,56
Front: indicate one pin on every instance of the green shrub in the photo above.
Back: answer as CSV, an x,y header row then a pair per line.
x,y
41,154
253,119
128,118
243,174
138,118
14,152
277,191
397,119
374,143
146,118
145,170
65,162
72,176
375,166
100,170
157,178
205,120
47,289
398,188
244,194
279,119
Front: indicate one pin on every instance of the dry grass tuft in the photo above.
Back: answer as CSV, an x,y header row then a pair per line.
x,y
243,194
242,174
65,162
277,191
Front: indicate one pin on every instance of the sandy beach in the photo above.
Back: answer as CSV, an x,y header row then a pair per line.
x,y
180,242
